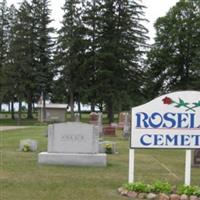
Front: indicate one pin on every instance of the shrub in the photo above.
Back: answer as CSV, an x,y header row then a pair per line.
x,y
157,187
161,187
197,192
138,187
188,190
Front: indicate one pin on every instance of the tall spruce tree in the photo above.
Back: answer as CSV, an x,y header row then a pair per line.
x,y
122,43
9,69
32,62
4,34
23,54
19,69
91,19
71,50
174,57
30,51
44,46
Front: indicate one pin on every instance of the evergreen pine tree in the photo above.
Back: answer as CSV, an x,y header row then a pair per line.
x,y
19,65
30,51
4,32
91,19
44,48
9,69
122,40
71,51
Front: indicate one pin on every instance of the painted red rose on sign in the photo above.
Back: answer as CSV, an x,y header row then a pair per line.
x,y
167,100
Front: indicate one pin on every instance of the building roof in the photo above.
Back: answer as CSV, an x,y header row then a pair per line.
x,y
53,105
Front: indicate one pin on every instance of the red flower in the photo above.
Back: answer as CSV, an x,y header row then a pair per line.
x,y
167,100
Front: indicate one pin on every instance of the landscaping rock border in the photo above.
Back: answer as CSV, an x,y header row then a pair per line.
x,y
153,196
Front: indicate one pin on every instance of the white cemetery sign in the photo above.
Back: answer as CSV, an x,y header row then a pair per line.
x,y
168,122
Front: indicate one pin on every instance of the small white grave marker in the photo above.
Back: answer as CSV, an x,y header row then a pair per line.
x,y
171,121
28,145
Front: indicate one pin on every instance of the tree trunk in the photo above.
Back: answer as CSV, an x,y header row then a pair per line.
x,y
101,107
44,107
79,107
110,112
72,105
9,107
12,110
30,113
0,107
33,106
92,107
19,113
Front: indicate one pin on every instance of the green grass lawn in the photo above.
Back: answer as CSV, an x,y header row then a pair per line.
x,y
7,121
21,178
23,122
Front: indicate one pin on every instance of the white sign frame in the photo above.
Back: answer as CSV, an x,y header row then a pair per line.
x,y
167,122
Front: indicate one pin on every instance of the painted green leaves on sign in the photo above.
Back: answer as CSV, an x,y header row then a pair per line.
x,y
181,103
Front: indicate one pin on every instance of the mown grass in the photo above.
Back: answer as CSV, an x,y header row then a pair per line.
x,y
22,178
22,122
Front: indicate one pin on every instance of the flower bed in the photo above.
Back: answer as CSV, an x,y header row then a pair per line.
x,y
159,191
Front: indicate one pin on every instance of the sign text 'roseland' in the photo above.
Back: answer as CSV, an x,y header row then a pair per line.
x,y
169,121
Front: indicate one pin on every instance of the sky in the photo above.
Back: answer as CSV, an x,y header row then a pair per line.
x,y
155,9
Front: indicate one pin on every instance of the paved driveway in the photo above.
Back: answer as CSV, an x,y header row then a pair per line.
x,y
6,128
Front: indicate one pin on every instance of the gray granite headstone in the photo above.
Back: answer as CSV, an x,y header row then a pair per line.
x,y
72,137
73,143
93,118
126,128
77,117
100,125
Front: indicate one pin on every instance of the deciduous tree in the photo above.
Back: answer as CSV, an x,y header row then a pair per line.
x,y
174,57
